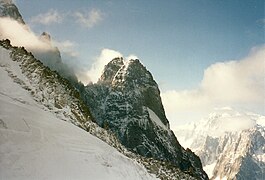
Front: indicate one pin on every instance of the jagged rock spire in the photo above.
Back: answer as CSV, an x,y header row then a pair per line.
x,y
126,100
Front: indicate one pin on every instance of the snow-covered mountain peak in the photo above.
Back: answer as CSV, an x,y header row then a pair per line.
x,y
133,75
221,121
9,9
229,142
119,71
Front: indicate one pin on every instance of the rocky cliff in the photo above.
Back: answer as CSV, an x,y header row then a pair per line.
x,y
126,100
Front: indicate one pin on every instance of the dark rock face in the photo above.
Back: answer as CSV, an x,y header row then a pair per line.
x,y
127,101
8,9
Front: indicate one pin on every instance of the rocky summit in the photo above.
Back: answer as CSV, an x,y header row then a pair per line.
x,y
126,100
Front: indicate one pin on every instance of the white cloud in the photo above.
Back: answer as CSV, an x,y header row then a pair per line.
x,y
96,70
41,47
131,56
89,19
20,35
233,83
50,17
98,66
67,47
66,44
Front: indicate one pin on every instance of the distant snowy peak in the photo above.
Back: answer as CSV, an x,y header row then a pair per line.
x,y
230,143
9,9
224,120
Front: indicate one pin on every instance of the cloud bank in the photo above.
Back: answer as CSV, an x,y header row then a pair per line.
x,y
67,47
20,35
41,46
233,83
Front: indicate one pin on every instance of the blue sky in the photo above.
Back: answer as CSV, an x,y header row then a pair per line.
x,y
177,40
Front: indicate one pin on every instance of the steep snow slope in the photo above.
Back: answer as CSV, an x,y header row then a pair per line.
x,y
35,144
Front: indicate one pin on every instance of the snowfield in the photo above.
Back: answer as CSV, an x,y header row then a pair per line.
x,y
35,144
156,119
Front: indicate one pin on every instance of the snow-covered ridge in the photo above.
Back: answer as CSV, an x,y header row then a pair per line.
x,y
35,144
55,96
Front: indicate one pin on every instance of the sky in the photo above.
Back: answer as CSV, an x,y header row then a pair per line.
x,y
203,54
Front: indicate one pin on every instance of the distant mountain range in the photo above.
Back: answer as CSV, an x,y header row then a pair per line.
x,y
230,143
